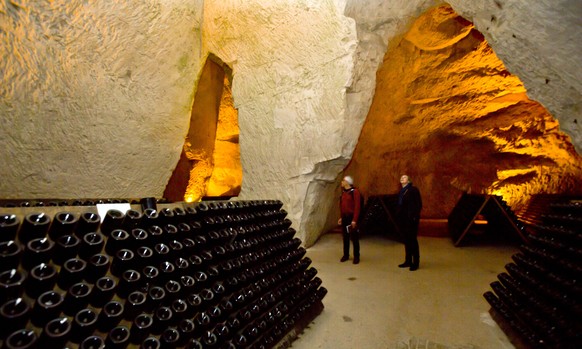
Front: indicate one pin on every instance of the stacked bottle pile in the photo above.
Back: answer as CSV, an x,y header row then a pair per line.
x,y
538,298
222,274
63,202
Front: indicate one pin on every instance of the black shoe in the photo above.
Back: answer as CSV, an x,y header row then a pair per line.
x,y
414,267
356,260
404,265
344,258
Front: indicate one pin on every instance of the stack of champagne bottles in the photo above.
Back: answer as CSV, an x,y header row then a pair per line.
x,y
219,274
537,301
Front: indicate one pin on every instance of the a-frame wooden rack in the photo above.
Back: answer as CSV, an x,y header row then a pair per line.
x,y
492,208
379,215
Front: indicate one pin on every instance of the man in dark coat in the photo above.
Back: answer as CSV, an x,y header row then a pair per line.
x,y
350,212
408,213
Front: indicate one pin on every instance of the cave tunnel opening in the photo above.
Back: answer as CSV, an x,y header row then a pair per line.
x,y
448,113
209,165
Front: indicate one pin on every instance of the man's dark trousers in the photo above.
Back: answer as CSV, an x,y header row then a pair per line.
x,y
411,249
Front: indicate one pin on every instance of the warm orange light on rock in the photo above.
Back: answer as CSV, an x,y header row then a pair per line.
x,y
219,173
199,175
226,176
210,161
448,113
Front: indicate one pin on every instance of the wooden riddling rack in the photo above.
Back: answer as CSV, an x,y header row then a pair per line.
x,y
537,300
214,274
498,220
379,216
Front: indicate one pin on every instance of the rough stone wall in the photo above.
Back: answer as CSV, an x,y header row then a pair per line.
x,y
292,62
95,96
538,42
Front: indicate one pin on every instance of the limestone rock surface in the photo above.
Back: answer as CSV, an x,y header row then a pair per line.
x,y
538,42
292,62
94,95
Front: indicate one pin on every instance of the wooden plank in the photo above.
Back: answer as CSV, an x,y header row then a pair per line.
x,y
515,227
471,222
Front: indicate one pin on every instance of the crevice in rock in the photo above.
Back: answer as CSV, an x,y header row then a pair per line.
x,y
209,164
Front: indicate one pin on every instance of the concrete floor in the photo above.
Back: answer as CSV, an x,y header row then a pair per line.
x,y
377,305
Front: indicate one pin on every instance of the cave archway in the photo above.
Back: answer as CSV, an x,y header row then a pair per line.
x,y
448,113
209,164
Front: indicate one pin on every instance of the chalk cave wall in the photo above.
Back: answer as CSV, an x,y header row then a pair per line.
x,y
96,98
289,87
95,95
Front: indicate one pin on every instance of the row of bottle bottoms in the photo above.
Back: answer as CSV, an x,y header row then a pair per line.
x,y
240,318
175,221
229,280
177,296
